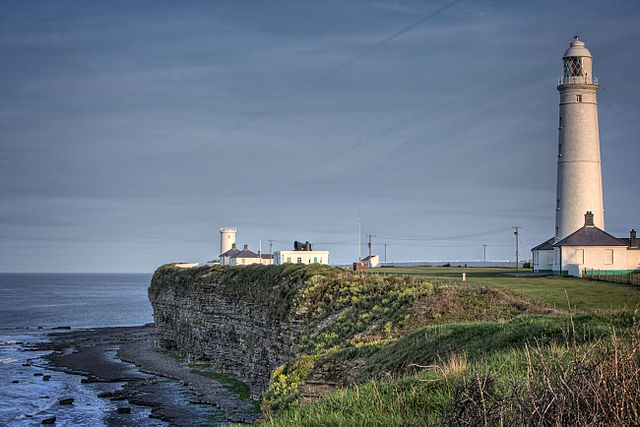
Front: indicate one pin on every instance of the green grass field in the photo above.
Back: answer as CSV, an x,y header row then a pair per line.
x,y
584,295
417,346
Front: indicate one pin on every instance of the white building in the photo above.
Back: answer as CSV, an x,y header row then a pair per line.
x,y
225,257
247,257
590,250
580,243
371,261
301,257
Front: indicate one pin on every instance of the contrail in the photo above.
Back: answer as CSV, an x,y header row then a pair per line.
x,y
250,119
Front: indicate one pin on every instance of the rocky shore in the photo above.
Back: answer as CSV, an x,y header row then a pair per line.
x,y
92,353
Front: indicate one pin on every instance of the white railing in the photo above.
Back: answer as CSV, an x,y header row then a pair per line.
x,y
580,80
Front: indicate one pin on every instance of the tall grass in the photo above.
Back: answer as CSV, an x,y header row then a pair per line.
x,y
594,384
590,375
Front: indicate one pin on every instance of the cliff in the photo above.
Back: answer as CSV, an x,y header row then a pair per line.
x,y
237,319
293,332
414,348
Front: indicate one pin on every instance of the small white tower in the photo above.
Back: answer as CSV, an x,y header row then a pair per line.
x,y
579,170
227,239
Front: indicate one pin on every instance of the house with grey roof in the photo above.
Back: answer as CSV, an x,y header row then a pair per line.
x,y
247,257
543,256
226,256
589,250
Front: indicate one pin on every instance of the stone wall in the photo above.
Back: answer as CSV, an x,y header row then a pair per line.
x,y
219,315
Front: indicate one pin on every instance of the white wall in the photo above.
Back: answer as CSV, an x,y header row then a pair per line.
x,y
301,257
606,258
249,261
633,259
579,174
542,260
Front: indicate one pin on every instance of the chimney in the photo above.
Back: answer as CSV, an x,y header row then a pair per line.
x,y
233,246
588,219
633,243
246,247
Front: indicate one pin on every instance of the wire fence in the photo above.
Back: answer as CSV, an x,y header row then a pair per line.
x,y
612,276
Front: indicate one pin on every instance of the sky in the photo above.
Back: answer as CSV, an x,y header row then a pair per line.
x,y
131,131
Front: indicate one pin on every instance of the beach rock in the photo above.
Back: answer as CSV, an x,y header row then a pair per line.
x,y
15,381
105,394
46,377
67,401
50,420
124,410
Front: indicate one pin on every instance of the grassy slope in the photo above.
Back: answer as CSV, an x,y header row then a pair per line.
x,y
583,294
425,364
426,395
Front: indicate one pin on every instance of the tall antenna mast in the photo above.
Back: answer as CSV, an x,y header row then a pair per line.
x,y
359,236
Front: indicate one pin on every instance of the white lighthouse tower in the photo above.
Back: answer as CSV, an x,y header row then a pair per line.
x,y
227,239
579,170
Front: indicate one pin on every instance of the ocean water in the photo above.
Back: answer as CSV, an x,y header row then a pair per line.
x,y
31,305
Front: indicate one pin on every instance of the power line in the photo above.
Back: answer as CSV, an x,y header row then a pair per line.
x,y
466,236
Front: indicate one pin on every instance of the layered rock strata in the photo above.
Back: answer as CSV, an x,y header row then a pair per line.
x,y
225,316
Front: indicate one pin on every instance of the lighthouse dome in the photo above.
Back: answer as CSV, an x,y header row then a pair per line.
x,y
577,49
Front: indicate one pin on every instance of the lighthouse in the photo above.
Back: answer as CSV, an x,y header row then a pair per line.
x,y
579,187
227,239
580,246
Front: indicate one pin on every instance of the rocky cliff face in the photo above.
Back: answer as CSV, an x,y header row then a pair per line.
x,y
227,316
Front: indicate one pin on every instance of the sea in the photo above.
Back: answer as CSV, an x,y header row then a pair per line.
x,y
31,306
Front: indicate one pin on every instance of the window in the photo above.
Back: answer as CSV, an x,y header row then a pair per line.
x,y
557,208
288,259
608,256
299,260
315,260
573,66
580,256
578,98
559,150
560,124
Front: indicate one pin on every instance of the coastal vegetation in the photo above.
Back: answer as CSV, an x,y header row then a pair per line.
x,y
420,346
493,349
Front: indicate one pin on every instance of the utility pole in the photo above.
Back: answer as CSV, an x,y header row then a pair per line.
x,y
270,247
370,236
385,252
484,253
517,228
